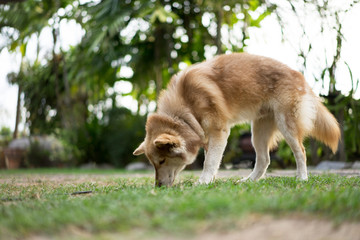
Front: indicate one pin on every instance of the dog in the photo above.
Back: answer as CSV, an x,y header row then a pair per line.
x,y
203,102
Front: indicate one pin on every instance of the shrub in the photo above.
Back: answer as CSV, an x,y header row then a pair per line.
x,y
112,139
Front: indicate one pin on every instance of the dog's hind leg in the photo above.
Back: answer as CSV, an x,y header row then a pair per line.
x,y
292,134
263,131
213,156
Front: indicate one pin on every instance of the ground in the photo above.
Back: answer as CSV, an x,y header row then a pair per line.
x,y
255,225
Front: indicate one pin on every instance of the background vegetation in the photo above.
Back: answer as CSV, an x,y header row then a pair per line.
x,y
70,93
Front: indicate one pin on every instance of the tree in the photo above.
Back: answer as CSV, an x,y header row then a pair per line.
x,y
68,89
18,22
159,35
150,37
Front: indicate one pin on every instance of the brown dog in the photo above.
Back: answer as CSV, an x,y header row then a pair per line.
x,y
204,101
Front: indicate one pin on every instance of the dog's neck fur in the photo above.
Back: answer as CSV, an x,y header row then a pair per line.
x,y
188,119
168,105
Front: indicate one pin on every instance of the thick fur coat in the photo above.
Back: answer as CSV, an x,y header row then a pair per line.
x,y
204,101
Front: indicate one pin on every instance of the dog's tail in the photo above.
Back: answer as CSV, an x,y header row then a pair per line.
x,y
326,128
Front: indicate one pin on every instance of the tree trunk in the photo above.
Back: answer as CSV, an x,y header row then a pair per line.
x,y
187,25
341,154
17,119
56,61
68,117
158,80
159,36
219,20
313,150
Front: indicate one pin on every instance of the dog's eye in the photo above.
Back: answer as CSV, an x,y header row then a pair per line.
x,y
162,162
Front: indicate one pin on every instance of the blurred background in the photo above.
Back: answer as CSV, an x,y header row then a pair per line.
x,y
78,77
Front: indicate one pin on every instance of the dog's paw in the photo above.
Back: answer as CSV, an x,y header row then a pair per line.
x,y
205,179
245,179
302,178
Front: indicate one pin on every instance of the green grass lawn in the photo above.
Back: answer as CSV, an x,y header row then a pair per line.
x,y
36,206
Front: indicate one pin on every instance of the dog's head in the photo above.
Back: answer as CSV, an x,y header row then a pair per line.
x,y
169,146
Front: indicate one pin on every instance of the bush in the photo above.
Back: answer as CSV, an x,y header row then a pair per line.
x,y
46,152
112,139
123,133
37,156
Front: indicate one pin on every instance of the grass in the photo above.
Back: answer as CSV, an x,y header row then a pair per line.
x,y
121,204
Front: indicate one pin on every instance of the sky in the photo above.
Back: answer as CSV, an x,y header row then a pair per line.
x,y
266,41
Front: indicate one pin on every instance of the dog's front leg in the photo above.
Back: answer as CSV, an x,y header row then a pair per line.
x,y
213,155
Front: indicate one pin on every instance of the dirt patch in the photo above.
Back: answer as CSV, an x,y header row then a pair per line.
x,y
287,229
59,179
253,227
271,228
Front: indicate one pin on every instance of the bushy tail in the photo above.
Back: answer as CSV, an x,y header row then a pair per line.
x,y
326,128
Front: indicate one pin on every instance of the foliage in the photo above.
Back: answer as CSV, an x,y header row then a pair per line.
x,y
308,45
5,132
122,134
31,18
350,108
112,139
37,156
45,152
122,205
153,37
232,149
152,40
150,37
39,97
5,136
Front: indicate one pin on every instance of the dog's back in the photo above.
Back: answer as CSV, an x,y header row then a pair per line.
x,y
242,87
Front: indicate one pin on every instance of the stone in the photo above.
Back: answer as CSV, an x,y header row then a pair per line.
x,y
135,166
90,165
356,165
332,165
49,143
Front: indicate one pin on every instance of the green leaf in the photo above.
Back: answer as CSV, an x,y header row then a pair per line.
x,y
253,4
256,22
161,15
23,49
13,46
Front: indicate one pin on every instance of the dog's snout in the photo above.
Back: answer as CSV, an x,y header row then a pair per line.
x,y
159,183
164,177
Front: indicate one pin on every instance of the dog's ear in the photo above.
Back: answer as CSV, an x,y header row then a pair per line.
x,y
167,141
140,150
